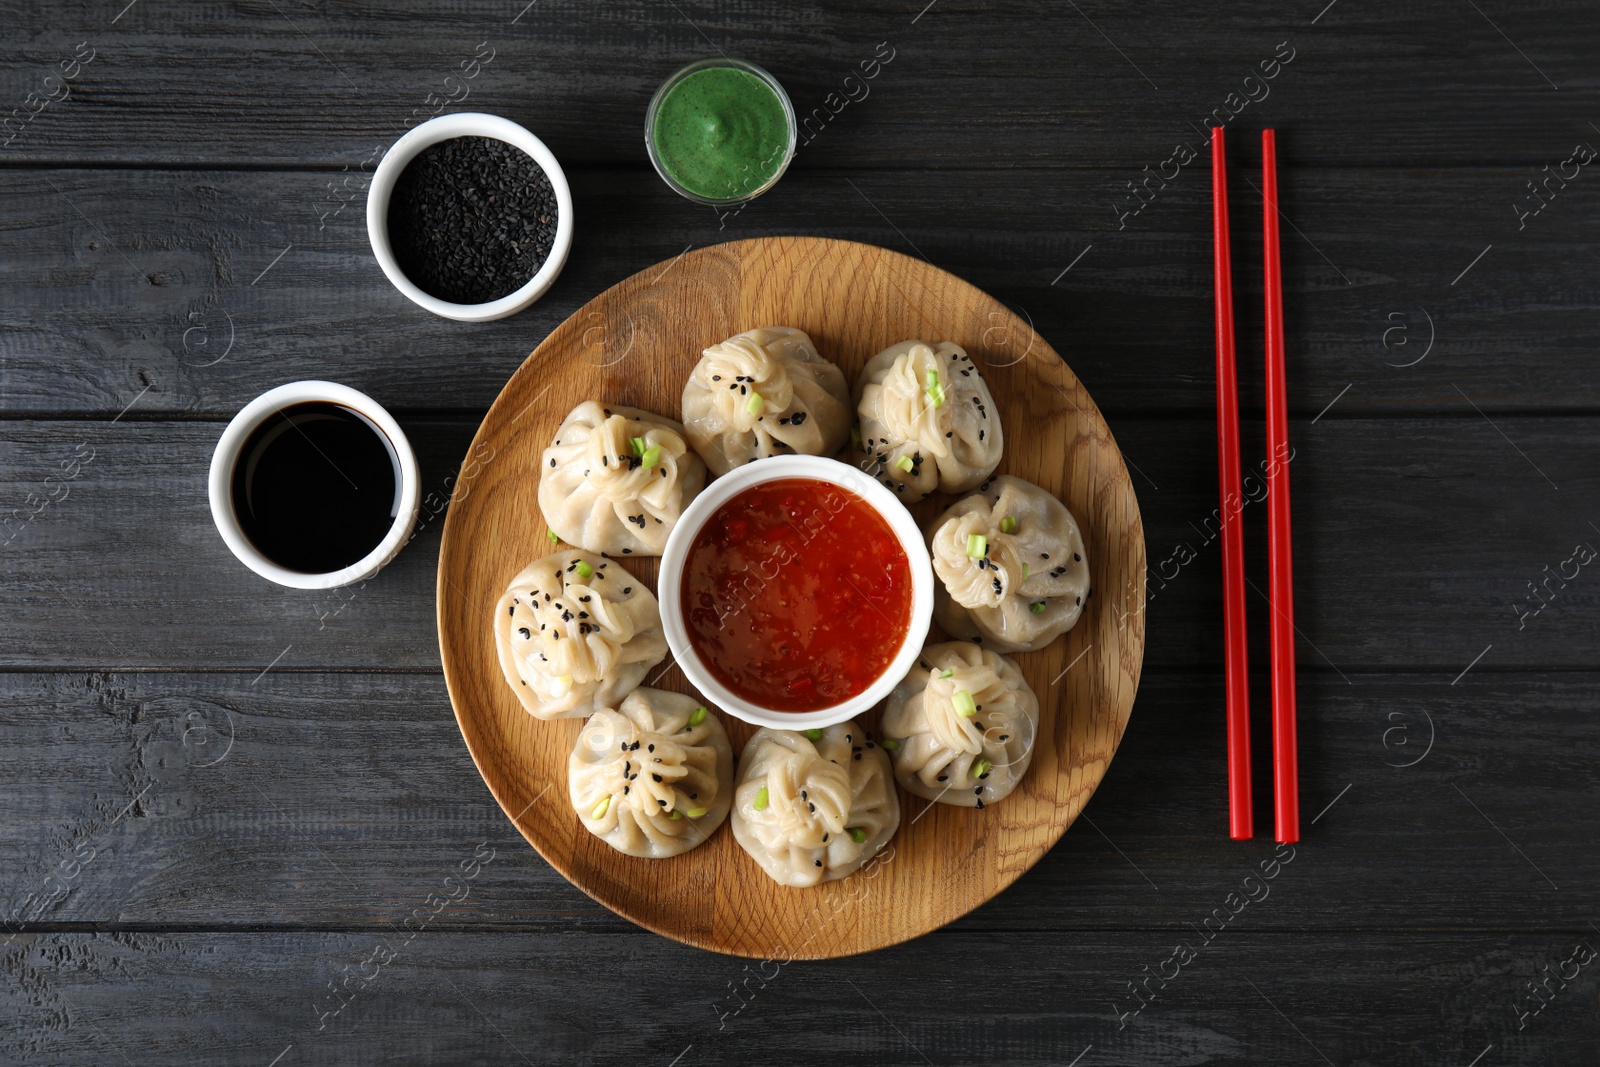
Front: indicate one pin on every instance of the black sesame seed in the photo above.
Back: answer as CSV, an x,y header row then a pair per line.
x,y
471,219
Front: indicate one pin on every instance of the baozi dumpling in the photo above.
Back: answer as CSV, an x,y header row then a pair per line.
x,y
617,478
927,420
576,632
653,778
812,811
965,721
1027,585
764,392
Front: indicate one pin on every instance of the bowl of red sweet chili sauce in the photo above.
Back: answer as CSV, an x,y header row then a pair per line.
x,y
796,592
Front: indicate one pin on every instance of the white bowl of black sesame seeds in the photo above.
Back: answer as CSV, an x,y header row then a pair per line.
x,y
470,216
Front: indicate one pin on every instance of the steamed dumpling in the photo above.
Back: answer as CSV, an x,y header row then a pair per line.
x,y
764,392
1028,585
927,420
576,632
653,778
617,478
965,721
801,805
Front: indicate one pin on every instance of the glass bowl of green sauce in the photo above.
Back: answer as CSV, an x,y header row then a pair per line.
x,y
720,131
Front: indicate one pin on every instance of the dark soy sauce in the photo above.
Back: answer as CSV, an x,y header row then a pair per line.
x,y
316,487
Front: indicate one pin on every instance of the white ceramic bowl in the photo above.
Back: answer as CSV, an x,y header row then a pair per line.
x,y
227,454
726,488
445,128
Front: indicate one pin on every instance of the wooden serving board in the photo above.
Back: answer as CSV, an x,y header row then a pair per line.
x,y
636,344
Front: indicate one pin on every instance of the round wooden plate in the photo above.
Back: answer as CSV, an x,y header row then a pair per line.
x,y
635,344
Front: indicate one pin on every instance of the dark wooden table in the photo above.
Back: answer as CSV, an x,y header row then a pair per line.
x,y
221,798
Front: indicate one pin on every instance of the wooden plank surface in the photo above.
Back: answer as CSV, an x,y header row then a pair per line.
x,y
299,822
172,279
1416,542
1446,413
629,997
1021,84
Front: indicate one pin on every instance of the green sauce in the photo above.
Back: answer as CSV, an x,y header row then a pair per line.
x,y
721,133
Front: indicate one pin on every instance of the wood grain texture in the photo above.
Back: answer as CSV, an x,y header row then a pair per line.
x,y
1033,83
242,998
345,796
853,300
194,313
1442,520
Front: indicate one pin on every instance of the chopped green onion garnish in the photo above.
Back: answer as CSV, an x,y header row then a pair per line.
x,y
1024,570
1008,524
554,540
761,799
698,717
981,768
638,445
857,834
676,815
599,811
932,378
946,673
753,405
977,546
652,456
814,734
855,437
584,570
1037,607
904,463
695,813
890,743
966,707
934,390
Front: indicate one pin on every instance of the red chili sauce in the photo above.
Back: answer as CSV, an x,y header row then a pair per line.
x,y
797,594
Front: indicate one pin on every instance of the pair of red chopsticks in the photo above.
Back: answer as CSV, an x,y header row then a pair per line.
x,y
1280,581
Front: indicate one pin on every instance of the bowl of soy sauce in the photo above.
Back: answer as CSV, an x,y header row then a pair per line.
x,y
314,485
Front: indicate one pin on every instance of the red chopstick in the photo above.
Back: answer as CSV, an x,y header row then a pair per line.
x,y
1280,564
1236,642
